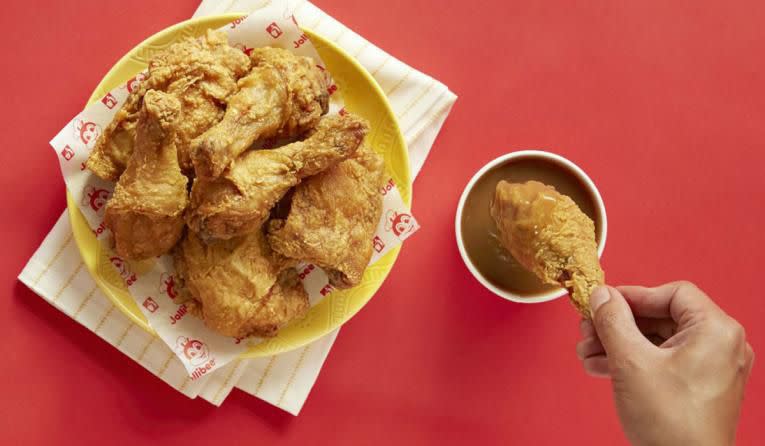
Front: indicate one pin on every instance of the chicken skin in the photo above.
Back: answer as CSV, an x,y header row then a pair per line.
x,y
240,287
306,84
241,199
550,236
145,214
113,148
282,97
333,218
201,74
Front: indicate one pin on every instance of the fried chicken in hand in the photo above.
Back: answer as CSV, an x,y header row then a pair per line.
x,y
550,236
240,287
333,218
201,73
241,199
145,214
283,96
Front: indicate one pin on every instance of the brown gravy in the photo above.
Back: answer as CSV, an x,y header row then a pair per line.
x,y
479,232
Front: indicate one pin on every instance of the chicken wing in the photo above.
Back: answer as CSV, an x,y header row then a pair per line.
x,y
201,73
283,96
240,201
549,235
333,218
240,287
145,214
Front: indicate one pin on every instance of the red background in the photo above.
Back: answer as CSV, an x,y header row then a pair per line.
x,y
662,103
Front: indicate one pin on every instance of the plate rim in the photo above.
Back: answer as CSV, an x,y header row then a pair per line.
x,y
75,213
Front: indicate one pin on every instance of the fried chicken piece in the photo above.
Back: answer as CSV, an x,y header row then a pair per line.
x,y
240,287
283,96
306,84
333,218
113,148
550,236
201,73
240,201
145,214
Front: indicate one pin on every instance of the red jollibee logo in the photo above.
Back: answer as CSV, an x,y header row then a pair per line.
x,y
328,288
274,30
237,22
124,270
134,82
399,223
121,265
167,285
195,351
87,132
179,314
109,101
67,152
95,198
306,271
300,41
387,187
150,304
378,244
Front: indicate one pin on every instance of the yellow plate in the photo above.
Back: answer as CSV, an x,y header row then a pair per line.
x,y
362,96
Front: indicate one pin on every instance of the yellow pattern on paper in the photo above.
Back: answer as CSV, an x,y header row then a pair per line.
x,y
293,375
84,302
216,398
67,282
53,260
265,374
104,318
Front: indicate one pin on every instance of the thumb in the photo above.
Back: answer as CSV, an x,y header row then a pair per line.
x,y
615,324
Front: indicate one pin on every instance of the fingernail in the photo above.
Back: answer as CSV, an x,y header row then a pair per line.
x,y
599,297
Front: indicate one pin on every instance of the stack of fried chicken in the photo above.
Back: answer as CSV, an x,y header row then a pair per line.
x,y
194,180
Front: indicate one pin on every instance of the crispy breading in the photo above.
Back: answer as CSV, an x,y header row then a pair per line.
x,y
145,214
282,97
240,200
201,73
333,217
240,287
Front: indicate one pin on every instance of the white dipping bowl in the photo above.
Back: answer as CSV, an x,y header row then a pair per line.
x,y
514,156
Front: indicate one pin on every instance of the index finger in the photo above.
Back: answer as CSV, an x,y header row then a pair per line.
x,y
671,300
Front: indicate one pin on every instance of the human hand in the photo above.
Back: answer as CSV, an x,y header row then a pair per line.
x,y
678,364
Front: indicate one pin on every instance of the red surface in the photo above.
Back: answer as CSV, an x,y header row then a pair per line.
x,y
662,103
